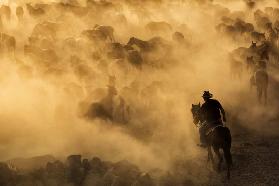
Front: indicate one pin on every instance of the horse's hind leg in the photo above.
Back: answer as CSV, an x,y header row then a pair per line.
x,y
259,91
228,157
265,96
217,152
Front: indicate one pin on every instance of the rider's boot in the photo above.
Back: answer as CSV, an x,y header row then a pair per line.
x,y
202,145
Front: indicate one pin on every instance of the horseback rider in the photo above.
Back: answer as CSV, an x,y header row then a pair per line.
x,y
211,111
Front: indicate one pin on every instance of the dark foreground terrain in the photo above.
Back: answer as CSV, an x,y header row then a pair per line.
x,y
255,156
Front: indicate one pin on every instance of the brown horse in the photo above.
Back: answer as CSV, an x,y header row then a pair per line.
x,y
19,12
218,137
261,82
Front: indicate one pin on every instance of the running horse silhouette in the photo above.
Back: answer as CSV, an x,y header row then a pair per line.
x,y
218,137
260,79
261,82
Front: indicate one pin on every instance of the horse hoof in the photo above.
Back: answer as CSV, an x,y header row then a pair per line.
x,y
219,168
228,175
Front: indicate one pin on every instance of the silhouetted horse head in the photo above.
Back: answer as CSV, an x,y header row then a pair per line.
x,y
131,41
196,112
251,58
253,44
143,45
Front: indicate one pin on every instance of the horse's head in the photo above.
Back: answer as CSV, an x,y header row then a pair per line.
x,y
253,44
196,112
132,41
250,58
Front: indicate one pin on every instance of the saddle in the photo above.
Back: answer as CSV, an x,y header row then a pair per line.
x,y
210,130
212,126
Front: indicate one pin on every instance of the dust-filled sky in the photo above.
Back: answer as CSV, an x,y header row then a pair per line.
x,y
43,102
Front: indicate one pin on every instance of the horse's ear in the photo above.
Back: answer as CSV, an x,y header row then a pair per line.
x,y
192,105
199,104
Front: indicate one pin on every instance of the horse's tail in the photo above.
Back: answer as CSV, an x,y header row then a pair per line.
x,y
227,150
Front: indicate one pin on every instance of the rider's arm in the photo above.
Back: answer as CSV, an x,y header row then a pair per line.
x,y
223,112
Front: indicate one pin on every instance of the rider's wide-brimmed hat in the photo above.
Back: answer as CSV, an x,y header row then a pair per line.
x,y
207,94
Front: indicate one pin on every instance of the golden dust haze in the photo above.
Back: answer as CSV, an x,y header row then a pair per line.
x,y
43,103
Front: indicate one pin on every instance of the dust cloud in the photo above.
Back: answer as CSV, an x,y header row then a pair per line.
x,y
48,92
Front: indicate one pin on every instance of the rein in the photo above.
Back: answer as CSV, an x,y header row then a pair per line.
x,y
212,129
200,125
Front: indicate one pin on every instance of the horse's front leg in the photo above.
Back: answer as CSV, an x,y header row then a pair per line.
x,y
217,152
210,155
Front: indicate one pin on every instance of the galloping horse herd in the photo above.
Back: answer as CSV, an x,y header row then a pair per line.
x,y
60,36
263,33
52,39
